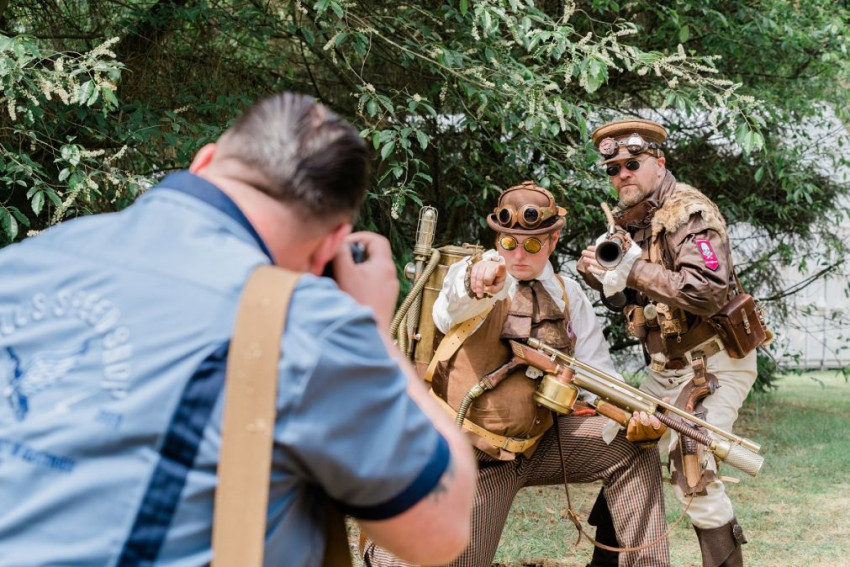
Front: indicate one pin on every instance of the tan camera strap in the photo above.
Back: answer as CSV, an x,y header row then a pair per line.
x,y
244,469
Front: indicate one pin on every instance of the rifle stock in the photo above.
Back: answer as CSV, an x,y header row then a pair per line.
x,y
618,401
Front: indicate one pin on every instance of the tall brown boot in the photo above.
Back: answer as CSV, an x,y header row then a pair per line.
x,y
721,547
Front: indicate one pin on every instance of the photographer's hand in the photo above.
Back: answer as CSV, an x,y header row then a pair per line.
x,y
374,281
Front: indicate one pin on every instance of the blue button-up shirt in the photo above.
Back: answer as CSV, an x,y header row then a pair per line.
x,y
114,331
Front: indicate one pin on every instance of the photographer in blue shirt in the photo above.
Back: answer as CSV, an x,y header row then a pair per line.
x,y
114,334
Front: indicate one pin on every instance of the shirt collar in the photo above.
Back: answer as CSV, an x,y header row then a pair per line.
x,y
198,187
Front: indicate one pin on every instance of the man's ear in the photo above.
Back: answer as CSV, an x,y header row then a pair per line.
x,y
327,248
203,158
661,161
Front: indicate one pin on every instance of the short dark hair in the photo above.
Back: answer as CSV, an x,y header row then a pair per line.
x,y
311,158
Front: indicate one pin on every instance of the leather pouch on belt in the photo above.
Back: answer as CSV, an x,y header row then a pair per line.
x,y
672,320
739,325
635,321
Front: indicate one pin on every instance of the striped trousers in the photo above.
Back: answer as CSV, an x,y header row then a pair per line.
x,y
631,479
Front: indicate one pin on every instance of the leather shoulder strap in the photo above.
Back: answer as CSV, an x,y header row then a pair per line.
x,y
566,298
452,341
241,499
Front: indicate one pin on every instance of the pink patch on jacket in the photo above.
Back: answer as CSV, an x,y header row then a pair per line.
x,y
707,253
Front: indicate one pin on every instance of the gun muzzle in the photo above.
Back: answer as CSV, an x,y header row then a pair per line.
x,y
738,456
609,252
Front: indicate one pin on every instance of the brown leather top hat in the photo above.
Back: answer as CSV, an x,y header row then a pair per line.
x,y
623,139
526,209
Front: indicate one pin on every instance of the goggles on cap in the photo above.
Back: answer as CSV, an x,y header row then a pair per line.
x,y
531,244
528,216
634,144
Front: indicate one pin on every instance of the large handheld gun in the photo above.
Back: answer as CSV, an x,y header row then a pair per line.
x,y
610,250
564,375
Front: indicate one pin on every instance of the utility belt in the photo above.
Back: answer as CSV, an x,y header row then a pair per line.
x,y
511,444
660,362
664,332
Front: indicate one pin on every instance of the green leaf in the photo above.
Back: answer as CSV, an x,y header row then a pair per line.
x,y
93,98
71,154
9,224
321,6
54,198
371,107
464,6
423,139
38,202
340,13
596,73
684,33
86,91
22,218
387,150
109,98
308,35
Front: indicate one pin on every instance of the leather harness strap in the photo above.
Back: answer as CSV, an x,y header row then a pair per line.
x,y
452,341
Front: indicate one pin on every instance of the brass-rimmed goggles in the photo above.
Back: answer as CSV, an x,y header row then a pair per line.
x,y
528,216
531,244
635,144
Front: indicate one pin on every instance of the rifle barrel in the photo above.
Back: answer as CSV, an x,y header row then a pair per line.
x,y
608,379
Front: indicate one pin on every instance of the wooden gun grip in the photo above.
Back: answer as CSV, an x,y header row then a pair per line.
x,y
611,411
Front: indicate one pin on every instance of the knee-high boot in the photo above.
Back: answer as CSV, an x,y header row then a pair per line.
x,y
721,547
600,516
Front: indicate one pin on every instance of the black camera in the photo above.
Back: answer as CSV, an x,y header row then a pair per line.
x,y
358,254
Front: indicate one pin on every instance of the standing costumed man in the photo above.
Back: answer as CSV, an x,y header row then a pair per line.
x,y
675,272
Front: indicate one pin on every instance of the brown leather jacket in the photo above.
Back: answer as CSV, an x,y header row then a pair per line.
x,y
686,259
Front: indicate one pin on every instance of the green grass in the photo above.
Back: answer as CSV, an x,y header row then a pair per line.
x,y
795,513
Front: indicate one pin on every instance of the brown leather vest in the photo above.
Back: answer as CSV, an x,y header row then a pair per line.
x,y
509,409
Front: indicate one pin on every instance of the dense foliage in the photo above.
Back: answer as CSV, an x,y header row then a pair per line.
x,y
460,98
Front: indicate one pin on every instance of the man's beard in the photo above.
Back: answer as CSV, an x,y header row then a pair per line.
x,y
632,197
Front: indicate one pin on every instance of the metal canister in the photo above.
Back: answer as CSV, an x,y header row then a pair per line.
x,y
426,330
555,394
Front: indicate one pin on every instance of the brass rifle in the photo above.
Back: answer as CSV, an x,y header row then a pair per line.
x,y
617,400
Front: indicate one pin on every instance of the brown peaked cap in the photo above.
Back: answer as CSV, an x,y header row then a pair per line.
x,y
622,129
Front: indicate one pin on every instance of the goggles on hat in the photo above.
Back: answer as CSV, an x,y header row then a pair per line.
x,y
634,144
531,244
528,216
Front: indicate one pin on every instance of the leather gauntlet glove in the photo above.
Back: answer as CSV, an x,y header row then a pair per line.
x,y
645,430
